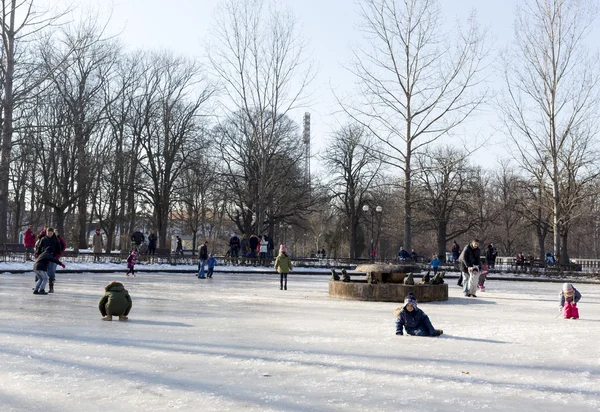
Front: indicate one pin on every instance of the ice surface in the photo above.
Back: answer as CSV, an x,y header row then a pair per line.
x,y
237,342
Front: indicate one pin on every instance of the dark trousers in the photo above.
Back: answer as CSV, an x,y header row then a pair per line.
x,y
283,279
210,272
105,312
131,271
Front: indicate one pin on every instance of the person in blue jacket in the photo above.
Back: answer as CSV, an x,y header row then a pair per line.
x,y
403,255
435,264
414,320
211,262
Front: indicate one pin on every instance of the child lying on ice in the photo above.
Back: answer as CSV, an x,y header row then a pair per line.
x,y
414,320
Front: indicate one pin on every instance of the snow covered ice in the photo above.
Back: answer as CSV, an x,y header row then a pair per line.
x,y
237,342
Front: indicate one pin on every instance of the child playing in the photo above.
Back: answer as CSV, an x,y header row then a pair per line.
x,y
115,302
483,277
40,267
283,264
131,263
569,296
435,264
414,320
211,262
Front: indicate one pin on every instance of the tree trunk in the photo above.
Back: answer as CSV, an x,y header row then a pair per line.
x,y
441,240
7,125
564,252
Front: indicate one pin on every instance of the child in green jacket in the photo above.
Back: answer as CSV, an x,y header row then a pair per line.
x,y
283,264
115,302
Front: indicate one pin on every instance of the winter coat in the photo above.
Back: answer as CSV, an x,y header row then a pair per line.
x,y
211,262
270,245
203,252
43,244
455,250
97,242
179,245
263,246
254,242
131,260
234,242
403,254
490,254
152,239
283,263
245,245
470,257
436,263
572,299
116,300
29,238
63,246
41,262
411,321
137,238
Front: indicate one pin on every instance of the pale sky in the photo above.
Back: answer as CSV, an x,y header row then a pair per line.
x,y
330,27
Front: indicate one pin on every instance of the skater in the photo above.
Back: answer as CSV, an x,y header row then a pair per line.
x,y
234,248
569,296
283,264
470,263
115,302
97,245
137,238
48,239
152,240
483,277
131,263
414,320
435,264
40,267
202,257
211,262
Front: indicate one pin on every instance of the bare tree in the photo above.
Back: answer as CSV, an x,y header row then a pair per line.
x,y
353,171
415,86
259,57
19,22
174,120
551,108
445,189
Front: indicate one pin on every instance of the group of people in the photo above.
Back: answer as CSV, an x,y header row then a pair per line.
x,y
255,249
404,256
47,249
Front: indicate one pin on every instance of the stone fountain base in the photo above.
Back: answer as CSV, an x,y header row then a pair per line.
x,y
386,292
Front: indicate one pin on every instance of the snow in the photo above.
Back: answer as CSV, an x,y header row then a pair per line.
x,y
237,342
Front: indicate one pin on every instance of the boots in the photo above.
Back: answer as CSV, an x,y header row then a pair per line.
x,y
35,292
107,317
438,332
123,317
42,292
51,283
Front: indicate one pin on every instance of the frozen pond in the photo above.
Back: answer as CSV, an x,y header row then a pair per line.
x,y
237,342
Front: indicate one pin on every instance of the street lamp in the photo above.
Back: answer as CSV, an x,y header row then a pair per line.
x,y
378,209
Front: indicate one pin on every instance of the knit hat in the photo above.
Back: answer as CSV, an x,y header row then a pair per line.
x,y
97,229
410,299
567,287
282,249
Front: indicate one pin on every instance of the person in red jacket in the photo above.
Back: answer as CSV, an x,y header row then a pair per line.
x,y
28,242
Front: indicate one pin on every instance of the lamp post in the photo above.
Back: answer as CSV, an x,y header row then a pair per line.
x,y
378,209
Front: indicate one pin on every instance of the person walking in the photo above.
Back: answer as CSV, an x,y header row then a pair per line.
x,y
234,248
283,264
470,261
131,263
152,241
179,249
202,258
137,238
97,244
455,253
49,242
29,242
